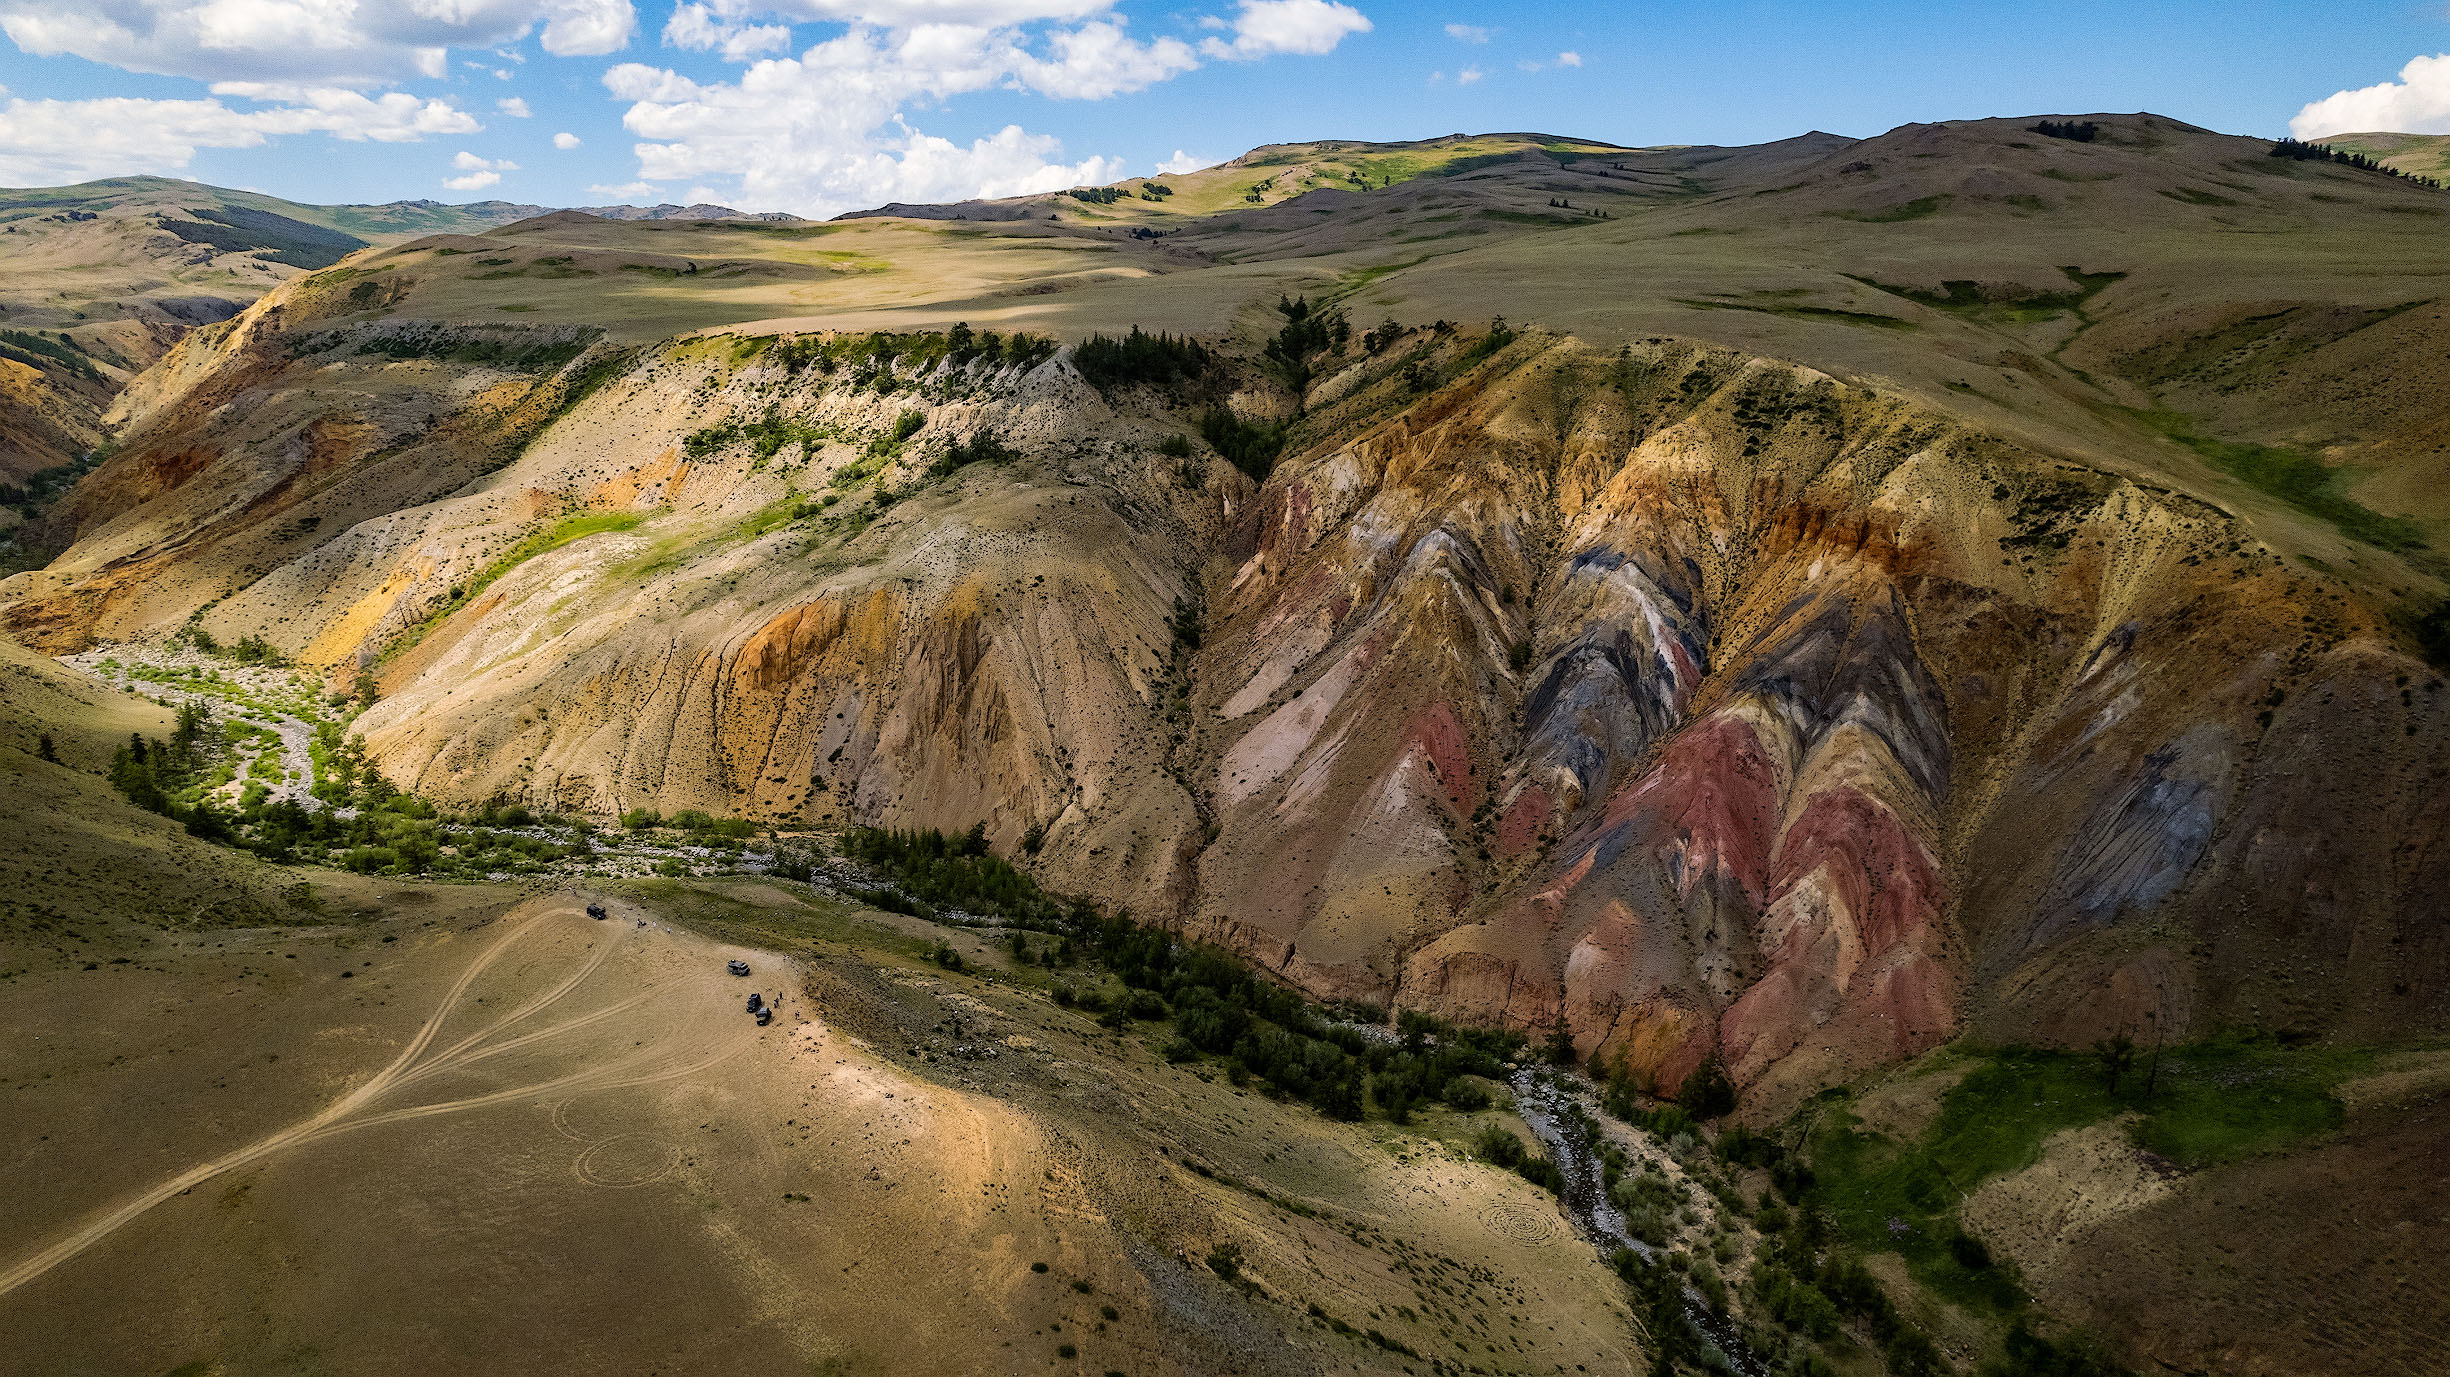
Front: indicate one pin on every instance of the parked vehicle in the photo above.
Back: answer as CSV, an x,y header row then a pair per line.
x,y
756,1002
737,967
765,1016
596,911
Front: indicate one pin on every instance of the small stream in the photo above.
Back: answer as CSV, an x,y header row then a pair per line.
x,y
1586,1202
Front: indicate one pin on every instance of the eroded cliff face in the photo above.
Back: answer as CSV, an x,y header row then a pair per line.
x,y
1708,704
1713,706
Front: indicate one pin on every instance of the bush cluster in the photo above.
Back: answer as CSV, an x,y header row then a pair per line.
x,y
880,352
2071,130
518,350
2324,153
701,828
1251,446
767,436
391,832
32,350
1155,360
1308,332
1218,1006
981,446
1498,1147
45,486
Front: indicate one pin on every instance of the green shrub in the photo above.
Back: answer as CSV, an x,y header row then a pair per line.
x,y
2071,130
1499,336
1542,1172
34,351
981,446
1219,1005
1251,446
1139,358
2323,152
1707,1093
1308,332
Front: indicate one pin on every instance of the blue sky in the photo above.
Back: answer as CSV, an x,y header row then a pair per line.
x,y
823,105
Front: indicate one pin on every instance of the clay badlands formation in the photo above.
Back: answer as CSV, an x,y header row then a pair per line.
x,y
1786,607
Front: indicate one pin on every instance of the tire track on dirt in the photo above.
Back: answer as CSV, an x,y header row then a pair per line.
x,y
413,1066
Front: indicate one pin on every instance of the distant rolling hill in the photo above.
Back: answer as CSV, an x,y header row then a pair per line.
x,y
1811,614
98,279
1270,175
2424,155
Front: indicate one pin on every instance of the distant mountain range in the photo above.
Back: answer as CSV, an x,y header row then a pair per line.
x,y
373,223
438,217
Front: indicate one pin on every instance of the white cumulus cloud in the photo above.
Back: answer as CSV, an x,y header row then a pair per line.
x,y
314,65
1469,75
44,142
817,129
1569,58
334,42
578,28
1184,162
828,130
1097,60
900,14
1467,33
823,132
706,28
1262,28
2417,103
477,173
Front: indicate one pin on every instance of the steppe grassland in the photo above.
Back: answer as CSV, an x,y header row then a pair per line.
x,y
596,1127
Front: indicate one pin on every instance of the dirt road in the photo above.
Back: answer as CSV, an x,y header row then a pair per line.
x,y
385,1096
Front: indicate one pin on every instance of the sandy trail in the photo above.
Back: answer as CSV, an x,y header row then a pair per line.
x,y
648,1062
